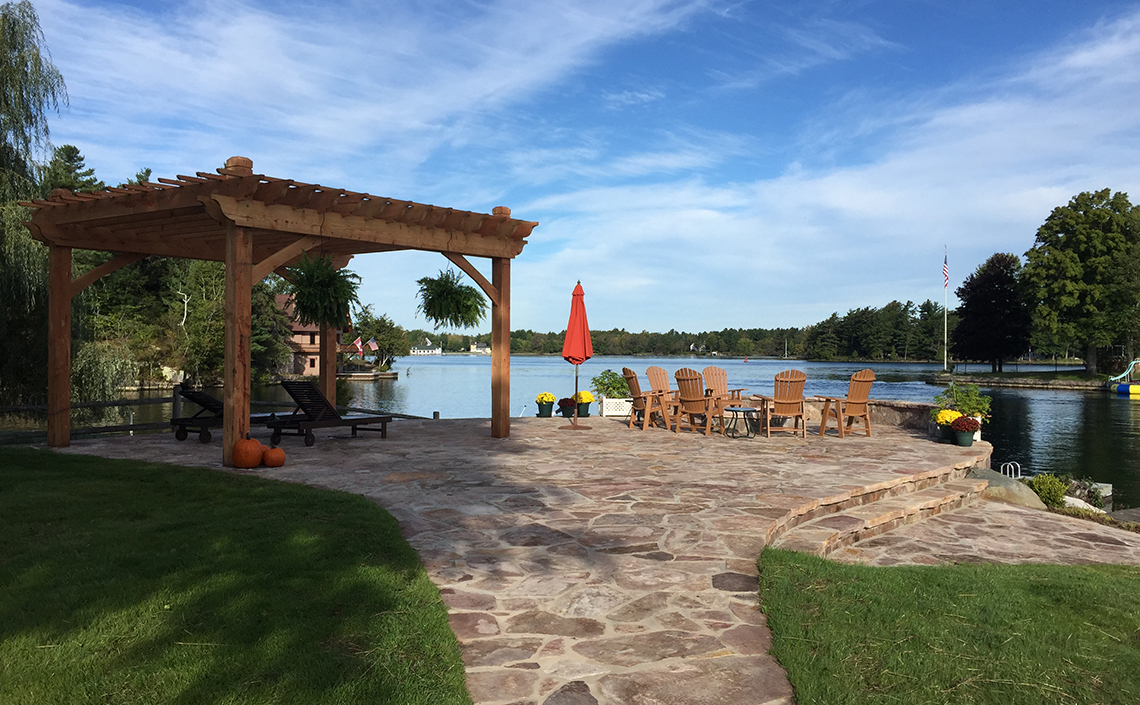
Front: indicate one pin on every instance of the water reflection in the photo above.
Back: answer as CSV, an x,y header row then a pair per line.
x,y
1084,434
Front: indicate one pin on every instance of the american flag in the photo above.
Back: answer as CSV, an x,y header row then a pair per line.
x,y
945,273
373,344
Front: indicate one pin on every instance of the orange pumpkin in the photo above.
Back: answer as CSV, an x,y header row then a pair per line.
x,y
247,453
274,457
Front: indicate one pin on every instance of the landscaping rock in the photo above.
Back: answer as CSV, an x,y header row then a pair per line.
x,y
1006,489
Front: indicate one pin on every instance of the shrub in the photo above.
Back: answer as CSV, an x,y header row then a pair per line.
x,y
610,384
965,398
1049,487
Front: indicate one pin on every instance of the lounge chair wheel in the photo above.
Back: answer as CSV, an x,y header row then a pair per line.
x,y
310,439
204,436
275,438
180,433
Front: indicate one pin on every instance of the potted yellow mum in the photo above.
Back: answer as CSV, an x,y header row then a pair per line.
x,y
545,404
584,399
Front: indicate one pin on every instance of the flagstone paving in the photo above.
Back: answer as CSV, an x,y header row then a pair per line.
x,y
599,566
995,532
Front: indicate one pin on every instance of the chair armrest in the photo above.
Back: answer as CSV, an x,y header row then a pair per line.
x,y
825,398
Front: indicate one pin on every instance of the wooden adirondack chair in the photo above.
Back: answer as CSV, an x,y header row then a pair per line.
x,y
659,382
788,401
855,406
644,403
693,404
716,382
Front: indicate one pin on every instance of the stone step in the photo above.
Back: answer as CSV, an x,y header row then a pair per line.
x,y
857,496
823,535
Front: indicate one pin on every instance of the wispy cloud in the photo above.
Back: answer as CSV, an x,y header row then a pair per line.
x,y
221,76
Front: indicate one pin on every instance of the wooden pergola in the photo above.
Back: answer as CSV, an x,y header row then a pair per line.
x,y
258,224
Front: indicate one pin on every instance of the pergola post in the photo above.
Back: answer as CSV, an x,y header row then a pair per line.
x,y
327,364
59,347
239,306
501,349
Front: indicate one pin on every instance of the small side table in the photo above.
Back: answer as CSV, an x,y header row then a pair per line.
x,y
746,413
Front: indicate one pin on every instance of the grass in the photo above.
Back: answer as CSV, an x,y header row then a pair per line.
x,y
1104,519
955,634
132,582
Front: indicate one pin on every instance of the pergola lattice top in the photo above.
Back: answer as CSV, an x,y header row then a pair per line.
x,y
190,214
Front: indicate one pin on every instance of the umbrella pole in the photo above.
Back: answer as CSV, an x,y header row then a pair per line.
x,y
575,422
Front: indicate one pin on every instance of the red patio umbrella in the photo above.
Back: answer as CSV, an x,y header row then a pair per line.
x,y
577,348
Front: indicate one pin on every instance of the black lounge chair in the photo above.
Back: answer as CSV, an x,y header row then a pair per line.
x,y
314,411
209,416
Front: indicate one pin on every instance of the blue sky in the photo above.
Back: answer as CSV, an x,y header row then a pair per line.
x,y
697,165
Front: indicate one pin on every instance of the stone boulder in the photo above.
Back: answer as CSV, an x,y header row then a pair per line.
x,y
1006,489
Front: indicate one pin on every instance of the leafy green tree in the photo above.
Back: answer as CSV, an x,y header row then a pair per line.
x,y
391,339
993,320
1071,268
269,327
68,170
30,86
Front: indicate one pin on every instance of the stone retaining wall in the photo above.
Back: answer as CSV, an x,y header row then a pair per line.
x,y
1019,382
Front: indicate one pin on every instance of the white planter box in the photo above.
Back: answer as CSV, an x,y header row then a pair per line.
x,y
614,407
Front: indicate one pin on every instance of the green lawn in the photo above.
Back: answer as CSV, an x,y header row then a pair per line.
x,y
959,634
131,582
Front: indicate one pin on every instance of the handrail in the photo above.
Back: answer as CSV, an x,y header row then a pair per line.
x,y
1124,374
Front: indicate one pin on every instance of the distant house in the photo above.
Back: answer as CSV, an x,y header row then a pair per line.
x,y
481,348
428,348
304,341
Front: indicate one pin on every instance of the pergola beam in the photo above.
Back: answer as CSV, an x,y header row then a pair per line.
x,y
280,218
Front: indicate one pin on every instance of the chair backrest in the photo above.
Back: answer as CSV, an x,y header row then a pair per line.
x,y
859,391
310,400
691,390
658,379
789,393
716,379
207,402
634,388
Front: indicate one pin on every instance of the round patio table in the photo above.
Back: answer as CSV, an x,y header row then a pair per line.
x,y
748,415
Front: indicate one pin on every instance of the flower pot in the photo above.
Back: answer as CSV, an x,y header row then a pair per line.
x,y
965,438
948,433
583,409
545,409
566,411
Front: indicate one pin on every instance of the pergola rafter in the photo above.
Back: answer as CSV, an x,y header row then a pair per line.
x,y
258,224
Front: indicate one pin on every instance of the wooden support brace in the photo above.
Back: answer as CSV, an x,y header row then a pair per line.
x,y
283,256
490,290
114,264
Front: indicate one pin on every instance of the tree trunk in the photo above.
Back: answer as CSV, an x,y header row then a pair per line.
x,y
995,365
1090,360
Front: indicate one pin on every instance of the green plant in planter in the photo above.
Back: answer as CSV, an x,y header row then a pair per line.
x,y
966,399
322,294
610,384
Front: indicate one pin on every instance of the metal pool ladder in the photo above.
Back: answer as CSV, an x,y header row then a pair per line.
x,y
1011,470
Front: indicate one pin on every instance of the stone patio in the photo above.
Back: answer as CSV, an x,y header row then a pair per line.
x,y
610,565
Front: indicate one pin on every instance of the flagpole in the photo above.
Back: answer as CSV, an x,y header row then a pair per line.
x,y
945,303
